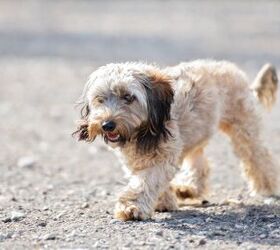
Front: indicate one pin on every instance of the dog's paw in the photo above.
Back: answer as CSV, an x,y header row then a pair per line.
x,y
166,202
185,192
129,211
166,207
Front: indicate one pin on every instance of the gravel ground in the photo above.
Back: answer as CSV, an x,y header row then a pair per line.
x,y
59,194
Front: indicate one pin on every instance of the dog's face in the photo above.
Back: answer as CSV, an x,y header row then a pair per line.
x,y
124,103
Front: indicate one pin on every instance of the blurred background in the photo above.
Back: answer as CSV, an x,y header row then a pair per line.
x,y
48,49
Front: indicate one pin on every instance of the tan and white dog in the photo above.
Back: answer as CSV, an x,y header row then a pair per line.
x,y
160,120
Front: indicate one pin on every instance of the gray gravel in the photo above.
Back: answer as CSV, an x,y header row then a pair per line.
x,y
59,194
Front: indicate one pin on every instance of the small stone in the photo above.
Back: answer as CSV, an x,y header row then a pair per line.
x,y
96,245
45,208
2,237
238,226
159,233
114,221
73,233
49,237
205,202
202,242
128,244
17,216
263,236
26,162
7,219
208,219
85,205
42,224
275,233
60,215
251,248
269,201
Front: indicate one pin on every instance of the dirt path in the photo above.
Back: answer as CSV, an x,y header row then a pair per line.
x,y
59,194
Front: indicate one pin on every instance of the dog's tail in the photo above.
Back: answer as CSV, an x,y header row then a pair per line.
x,y
265,86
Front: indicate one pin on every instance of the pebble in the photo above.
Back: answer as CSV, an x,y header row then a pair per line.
x,y
159,233
238,226
17,216
85,205
208,219
275,233
4,236
128,244
269,201
26,162
42,224
114,221
202,242
263,236
7,219
49,237
60,215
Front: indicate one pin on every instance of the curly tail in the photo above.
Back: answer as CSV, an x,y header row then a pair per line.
x,y
265,86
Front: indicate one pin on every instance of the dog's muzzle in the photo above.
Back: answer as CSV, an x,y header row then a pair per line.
x,y
108,128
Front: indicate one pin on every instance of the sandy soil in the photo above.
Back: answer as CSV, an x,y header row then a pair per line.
x,y
59,194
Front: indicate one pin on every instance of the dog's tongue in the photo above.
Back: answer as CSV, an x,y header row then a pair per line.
x,y
112,135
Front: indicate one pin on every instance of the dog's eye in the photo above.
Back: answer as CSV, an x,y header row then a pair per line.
x,y
128,98
99,99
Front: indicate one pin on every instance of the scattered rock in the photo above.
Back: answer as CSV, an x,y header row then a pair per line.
x,y
238,226
202,242
42,224
7,219
85,205
17,216
14,199
205,202
269,201
263,236
60,215
26,162
128,244
49,237
114,221
159,233
6,236
275,233
208,219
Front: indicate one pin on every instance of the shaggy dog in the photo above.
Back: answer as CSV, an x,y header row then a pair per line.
x,y
160,120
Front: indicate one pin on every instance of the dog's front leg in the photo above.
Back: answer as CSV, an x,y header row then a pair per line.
x,y
139,199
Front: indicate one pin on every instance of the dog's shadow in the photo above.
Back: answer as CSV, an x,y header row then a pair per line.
x,y
247,223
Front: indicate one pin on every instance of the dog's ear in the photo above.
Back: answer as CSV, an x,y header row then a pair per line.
x,y
83,130
159,94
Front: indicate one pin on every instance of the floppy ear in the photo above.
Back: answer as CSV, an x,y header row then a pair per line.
x,y
83,131
159,94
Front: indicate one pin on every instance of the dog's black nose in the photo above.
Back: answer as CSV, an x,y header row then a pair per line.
x,y
108,126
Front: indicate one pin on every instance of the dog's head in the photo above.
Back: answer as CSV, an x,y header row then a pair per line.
x,y
126,102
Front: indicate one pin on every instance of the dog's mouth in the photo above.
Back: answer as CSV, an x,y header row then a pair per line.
x,y
112,137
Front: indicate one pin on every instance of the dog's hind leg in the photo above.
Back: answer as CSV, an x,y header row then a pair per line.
x,y
259,166
167,202
192,181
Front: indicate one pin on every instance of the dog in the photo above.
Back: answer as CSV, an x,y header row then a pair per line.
x,y
160,120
